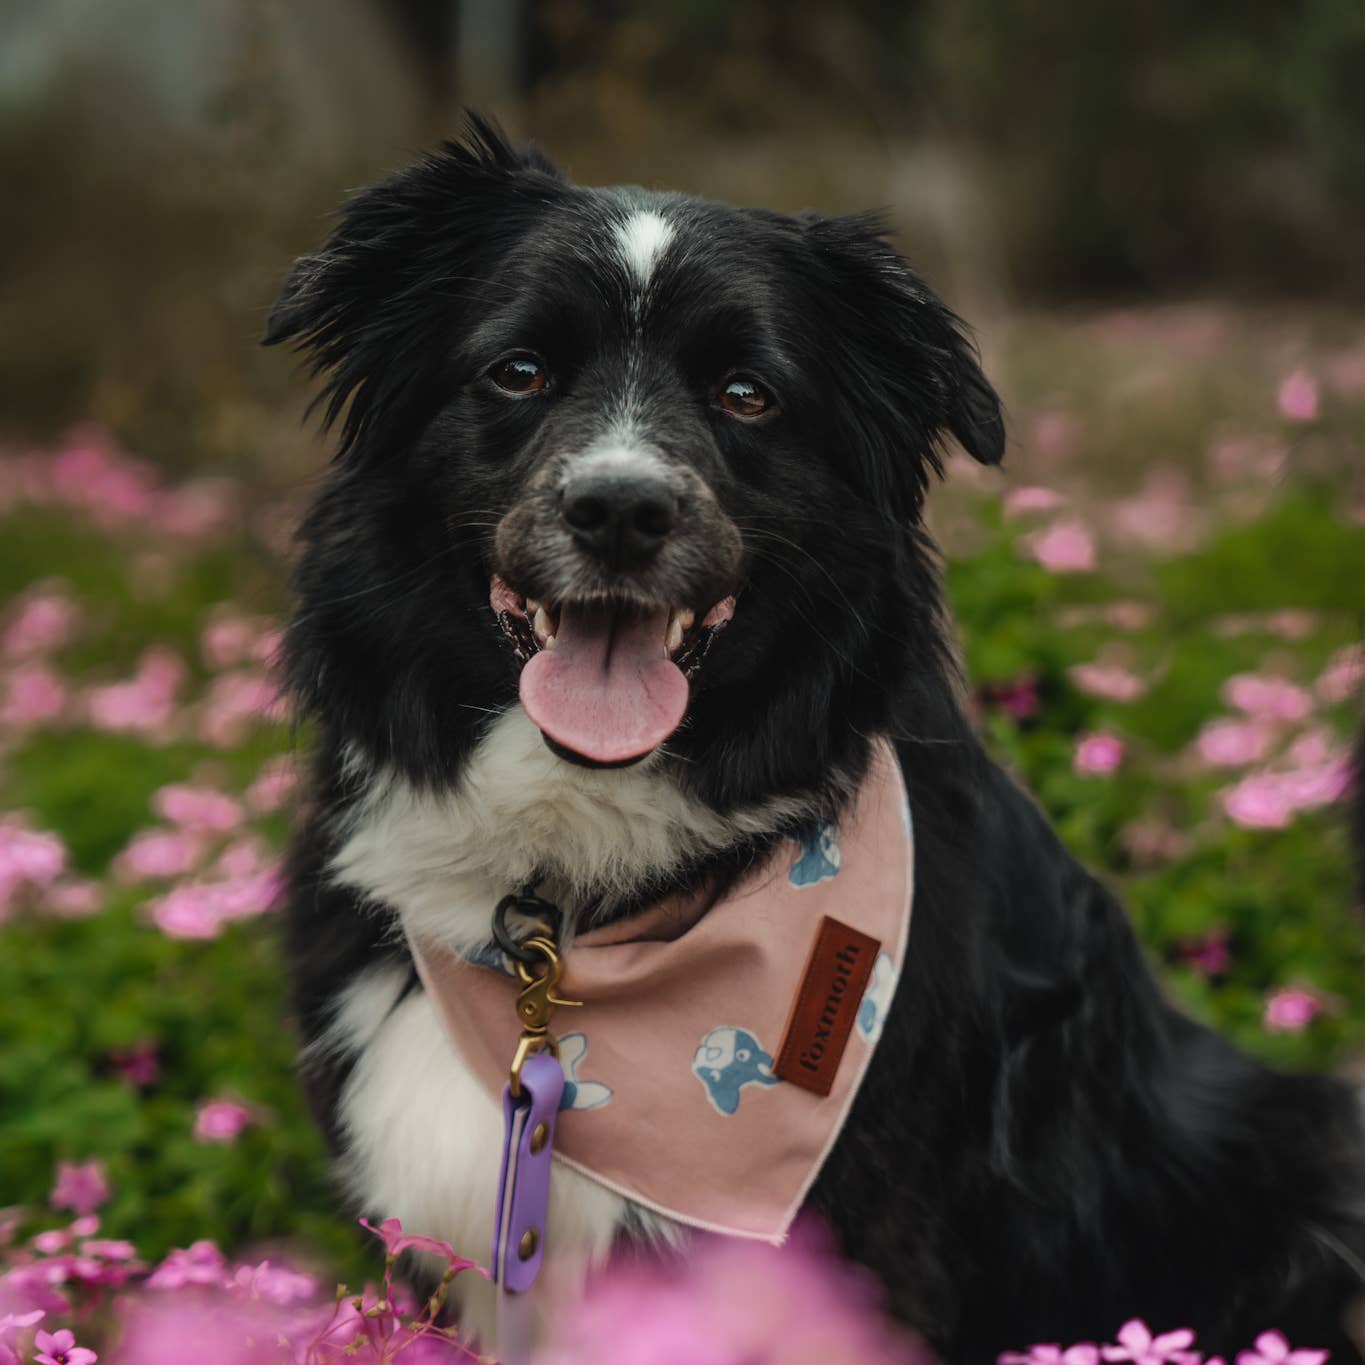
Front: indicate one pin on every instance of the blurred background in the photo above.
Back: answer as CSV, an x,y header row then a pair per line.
x,y
162,161
1152,214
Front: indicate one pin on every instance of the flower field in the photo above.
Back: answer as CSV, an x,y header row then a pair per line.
x,y
1161,606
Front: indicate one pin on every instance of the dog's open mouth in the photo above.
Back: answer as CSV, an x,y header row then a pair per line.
x,y
607,682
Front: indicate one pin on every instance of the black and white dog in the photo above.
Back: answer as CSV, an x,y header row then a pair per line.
x,y
621,408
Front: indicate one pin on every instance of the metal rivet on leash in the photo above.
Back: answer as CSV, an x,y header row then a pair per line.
x,y
539,1138
530,1240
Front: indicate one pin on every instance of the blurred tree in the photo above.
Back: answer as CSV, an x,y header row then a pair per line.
x,y
1136,143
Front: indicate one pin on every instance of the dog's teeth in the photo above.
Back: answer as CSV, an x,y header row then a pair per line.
x,y
543,625
675,634
532,606
685,619
549,642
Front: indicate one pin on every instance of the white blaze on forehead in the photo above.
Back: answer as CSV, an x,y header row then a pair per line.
x,y
641,240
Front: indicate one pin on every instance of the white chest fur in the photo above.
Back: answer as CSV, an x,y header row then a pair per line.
x,y
422,1138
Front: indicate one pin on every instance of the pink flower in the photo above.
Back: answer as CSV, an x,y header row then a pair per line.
x,y
52,1241
1273,1349
196,510
14,1322
109,1249
1021,501
1154,841
276,1284
146,702
159,853
187,912
242,859
139,1066
197,808
1137,1344
1160,516
1018,697
237,703
220,1121
396,1242
1291,624
44,623
274,785
1344,675
74,898
1107,681
1298,397
1129,615
1055,435
1314,747
1098,754
1290,1011
1208,956
230,1328
1270,800
227,641
10,1325
1259,802
200,909
33,695
82,1188
1064,547
90,474
1232,743
28,859
1243,460
1267,698
199,1264
59,1348
1317,784
1049,1353
732,1301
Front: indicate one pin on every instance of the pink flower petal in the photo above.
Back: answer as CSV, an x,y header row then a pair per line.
x,y
1297,399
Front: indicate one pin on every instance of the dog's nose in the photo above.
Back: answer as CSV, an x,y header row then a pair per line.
x,y
621,518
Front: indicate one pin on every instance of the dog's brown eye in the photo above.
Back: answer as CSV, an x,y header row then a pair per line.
x,y
741,396
520,374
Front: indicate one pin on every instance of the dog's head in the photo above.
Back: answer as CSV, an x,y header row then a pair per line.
x,y
583,430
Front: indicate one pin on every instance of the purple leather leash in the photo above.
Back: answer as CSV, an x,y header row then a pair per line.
x,y
530,1107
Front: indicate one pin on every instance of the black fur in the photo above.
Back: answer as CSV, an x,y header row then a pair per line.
x,y
1044,1147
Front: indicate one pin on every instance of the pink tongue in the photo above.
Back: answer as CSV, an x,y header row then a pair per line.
x,y
607,690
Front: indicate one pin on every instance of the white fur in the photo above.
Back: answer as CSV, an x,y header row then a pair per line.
x,y
622,456
422,1142
443,861
641,242
422,1138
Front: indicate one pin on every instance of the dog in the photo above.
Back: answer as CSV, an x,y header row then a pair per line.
x,y
584,429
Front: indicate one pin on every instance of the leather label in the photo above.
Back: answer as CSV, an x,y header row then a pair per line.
x,y
826,1007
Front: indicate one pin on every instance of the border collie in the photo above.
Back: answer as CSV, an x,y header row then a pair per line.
x,y
589,427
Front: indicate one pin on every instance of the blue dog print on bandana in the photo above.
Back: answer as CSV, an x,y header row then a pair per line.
x,y
877,998
573,1047
728,1060
820,856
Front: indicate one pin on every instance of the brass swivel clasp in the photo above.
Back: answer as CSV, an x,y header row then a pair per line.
x,y
537,1001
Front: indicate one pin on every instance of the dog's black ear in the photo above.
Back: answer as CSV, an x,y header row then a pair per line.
x,y
919,365
367,306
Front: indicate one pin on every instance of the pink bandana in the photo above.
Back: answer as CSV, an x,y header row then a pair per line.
x,y
672,1096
